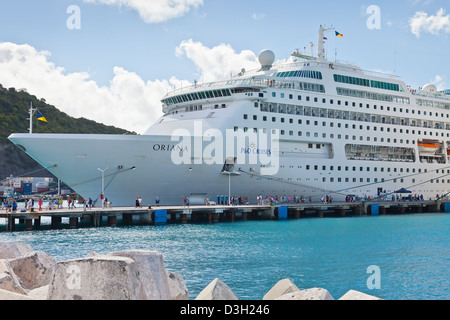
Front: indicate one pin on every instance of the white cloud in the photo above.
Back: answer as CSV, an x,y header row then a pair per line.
x,y
258,16
434,24
128,101
155,11
216,63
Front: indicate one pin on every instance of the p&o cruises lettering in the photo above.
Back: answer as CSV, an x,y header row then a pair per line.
x,y
256,151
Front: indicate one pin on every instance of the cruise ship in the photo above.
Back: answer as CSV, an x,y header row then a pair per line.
x,y
304,128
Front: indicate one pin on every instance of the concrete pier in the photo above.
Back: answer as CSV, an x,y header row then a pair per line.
x,y
77,218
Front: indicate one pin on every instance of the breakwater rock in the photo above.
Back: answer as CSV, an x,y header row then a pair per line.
x,y
26,274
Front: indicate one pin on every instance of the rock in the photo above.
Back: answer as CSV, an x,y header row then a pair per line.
x,y
93,254
280,288
308,294
177,286
356,295
96,278
8,295
8,279
39,293
152,272
12,250
9,283
34,269
217,290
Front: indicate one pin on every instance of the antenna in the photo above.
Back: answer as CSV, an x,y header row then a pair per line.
x,y
30,129
321,47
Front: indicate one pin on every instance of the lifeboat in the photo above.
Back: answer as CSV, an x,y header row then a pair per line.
x,y
428,147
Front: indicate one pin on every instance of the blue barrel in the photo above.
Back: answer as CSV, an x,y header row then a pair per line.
x,y
447,207
282,213
160,217
375,209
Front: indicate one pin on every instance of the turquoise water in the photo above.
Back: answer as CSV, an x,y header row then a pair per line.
x,y
412,252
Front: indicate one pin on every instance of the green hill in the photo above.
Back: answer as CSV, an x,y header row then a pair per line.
x,y
14,112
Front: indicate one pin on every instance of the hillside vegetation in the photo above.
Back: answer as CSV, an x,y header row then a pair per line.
x,y
14,114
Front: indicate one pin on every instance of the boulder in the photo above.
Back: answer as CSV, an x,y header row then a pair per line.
x,y
8,279
308,294
280,288
35,269
152,272
356,295
177,286
96,278
217,290
8,295
12,250
39,293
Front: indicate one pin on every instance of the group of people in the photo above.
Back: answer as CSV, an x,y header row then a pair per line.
x,y
10,205
138,203
270,200
241,200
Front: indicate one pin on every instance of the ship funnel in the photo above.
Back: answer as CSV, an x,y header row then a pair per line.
x,y
266,59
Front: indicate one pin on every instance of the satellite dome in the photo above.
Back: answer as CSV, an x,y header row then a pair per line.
x,y
430,88
266,59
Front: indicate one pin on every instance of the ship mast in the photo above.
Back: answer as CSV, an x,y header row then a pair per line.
x,y
30,129
320,44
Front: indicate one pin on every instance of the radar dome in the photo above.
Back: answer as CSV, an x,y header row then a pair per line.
x,y
266,59
430,88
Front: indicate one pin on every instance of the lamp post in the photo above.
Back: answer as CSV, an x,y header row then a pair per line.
x,y
103,184
229,173
229,188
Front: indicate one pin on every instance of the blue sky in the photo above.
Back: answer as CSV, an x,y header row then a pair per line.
x,y
126,54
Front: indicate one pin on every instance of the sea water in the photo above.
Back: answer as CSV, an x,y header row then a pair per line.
x,y
395,257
